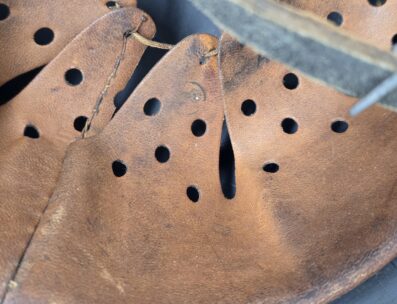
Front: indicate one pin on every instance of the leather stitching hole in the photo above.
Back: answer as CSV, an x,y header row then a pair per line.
x,y
4,11
377,2
271,168
152,107
119,168
336,18
74,77
339,126
290,126
43,36
291,81
79,123
162,154
248,107
31,132
199,127
193,194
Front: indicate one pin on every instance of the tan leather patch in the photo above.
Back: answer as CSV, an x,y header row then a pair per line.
x,y
33,32
139,237
371,20
39,124
333,193
323,182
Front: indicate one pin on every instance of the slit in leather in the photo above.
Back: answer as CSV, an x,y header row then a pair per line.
x,y
227,165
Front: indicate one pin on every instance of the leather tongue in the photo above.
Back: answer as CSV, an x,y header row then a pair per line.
x,y
39,124
33,32
130,218
326,182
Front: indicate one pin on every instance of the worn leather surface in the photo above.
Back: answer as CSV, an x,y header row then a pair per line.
x,y
20,53
305,234
333,199
138,238
29,167
373,24
332,204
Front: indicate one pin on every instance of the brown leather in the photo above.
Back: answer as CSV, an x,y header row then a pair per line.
x,y
332,204
138,238
373,24
19,51
305,234
29,167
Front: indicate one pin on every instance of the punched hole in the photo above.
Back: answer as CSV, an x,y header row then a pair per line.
x,y
119,168
193,194
336,18
31,132
112,4
73,77
339,126
248,107
289,125
43,36
377,2
152,107
199,127
162,154
271,167
79,123
4,11
291,81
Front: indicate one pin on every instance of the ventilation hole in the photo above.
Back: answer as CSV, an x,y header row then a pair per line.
x,y
291,81
377,2
44,36
199,127
227,165
193,194
31,132
289,125
14,86
271,167
339,126
248,107
152,107
162,154
119,168
336,18
4,11
111,4
79,123
74,77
